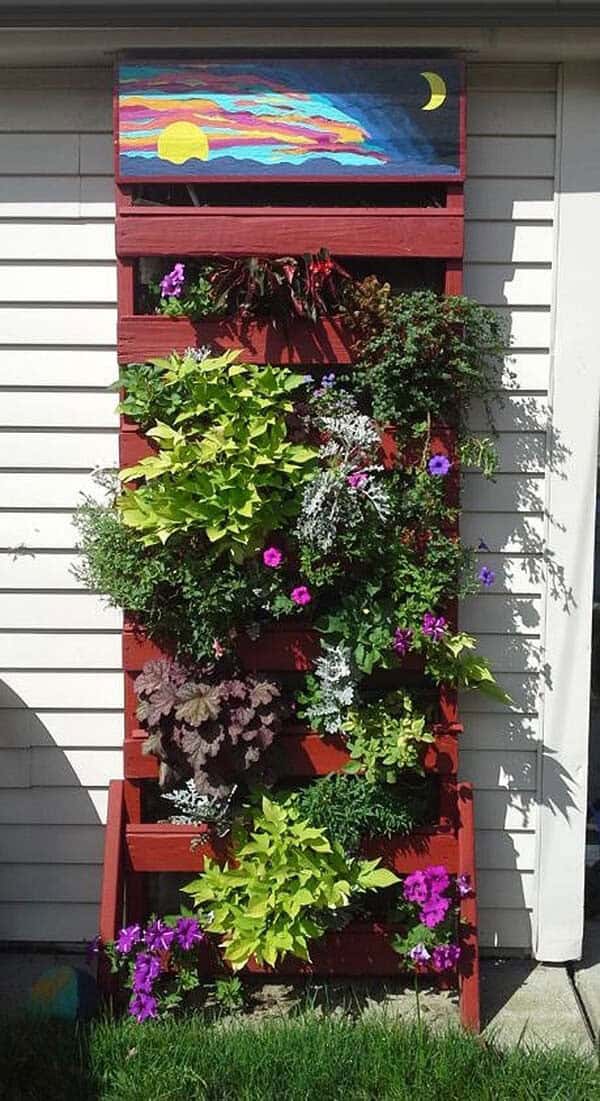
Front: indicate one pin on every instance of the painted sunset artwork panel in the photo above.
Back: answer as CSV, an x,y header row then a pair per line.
x,y
290,119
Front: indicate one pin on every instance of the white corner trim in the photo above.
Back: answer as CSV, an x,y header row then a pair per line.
x,y
570,520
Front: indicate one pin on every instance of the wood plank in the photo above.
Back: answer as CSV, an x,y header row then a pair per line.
x,y
523,688
507,284
516,574
58,689
39,530
57,197
527,371
67,611
69,805
55,767
96,153
520,452
506,810
504,532
31,570
512,113
508,889
59,923
51,845
511,653
46,489
39,154
385,232
507,493
509,199
65,110
506,850
500,732
80,367
505,929
498,614
512,156
489,770
30,650
509,242
509,76
50,283
527,327
54,240
66,450
74,729
59,325
51,883
58,409
515,413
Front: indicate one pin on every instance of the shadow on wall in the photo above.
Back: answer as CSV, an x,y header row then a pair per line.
x,y
51,836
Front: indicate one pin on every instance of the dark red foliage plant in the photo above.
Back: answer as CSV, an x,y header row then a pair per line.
x,y
206,725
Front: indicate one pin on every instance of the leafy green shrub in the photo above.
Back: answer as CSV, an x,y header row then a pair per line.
x,y
385,737
351,808
427,357
227,468
287,875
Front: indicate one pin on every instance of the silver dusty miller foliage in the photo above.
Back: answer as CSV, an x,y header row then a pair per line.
x,y
197,808
330,501
336,678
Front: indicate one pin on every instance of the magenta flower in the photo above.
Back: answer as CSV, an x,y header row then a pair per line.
x,y
416,887
439,464
403,637
486,576
434,911
188,933
158,936
218,650
143,1006
434,626
358,479
127,938
438,877
420,955
301,595
272,557
172,282
445,956
463,885
146,970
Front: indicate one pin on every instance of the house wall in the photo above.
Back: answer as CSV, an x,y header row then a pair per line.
x,y
61,691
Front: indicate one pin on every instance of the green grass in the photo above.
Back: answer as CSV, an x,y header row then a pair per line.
x,y
300,1059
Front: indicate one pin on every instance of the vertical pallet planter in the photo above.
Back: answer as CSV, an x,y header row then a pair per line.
x,y
135,848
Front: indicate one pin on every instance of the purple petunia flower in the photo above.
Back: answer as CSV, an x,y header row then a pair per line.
x,y
445,956
188,933
172,282
301,595
434,911
272,557
416,887
357,479
328,381
143,1006
463,885
403,637
486,576
434,626
438,877
145,970
158,936
439,464
127,938
419,954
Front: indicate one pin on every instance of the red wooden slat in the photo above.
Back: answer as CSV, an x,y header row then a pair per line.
x,y
303,755
468,966
146,337
391,232
113,881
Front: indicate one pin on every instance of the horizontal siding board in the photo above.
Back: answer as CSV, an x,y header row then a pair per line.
x,y
493,770
58,325
510,77
527,370
510,810
521,452
523,689
54,767
75,240
48,283
526,327
507,284
505,850
509,199
507,493
514,413
38,530
66,109
522,574
70,805
508,243
51,883
511,654
31,570
60,922
509,929
46,489
28,650
96,152
499,614
508,890
51,844
22,728
494,112
62,611
56,690
501,731
55,367
39,154
503,532
512,156
67,450
46,198
58,409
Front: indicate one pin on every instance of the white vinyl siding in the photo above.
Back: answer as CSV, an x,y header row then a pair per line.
x,y
61,690
509,253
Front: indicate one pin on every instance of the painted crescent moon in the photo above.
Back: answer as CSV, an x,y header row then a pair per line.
x,y
438,89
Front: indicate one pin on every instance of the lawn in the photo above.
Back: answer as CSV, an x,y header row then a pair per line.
x,y
324,1058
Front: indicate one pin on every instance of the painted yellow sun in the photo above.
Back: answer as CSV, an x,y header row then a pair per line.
x,y
181,141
